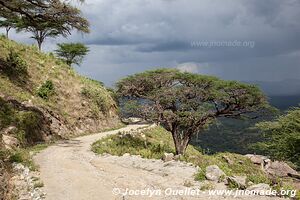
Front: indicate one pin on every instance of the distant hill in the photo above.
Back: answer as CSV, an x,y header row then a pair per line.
x,y
285,102
288,87
282,94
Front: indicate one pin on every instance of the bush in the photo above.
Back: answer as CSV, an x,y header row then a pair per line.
x,y
46,90
100,100
14,66
23,156
282,138
29,127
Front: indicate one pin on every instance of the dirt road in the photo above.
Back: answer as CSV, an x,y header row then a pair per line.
x,y
71,171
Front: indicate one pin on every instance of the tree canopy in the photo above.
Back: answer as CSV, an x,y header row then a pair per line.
x,y
72,53
186,103
44,18
8,24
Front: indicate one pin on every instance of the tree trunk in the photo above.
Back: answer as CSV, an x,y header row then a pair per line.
x,y
7,32
39,44
180,143
40,37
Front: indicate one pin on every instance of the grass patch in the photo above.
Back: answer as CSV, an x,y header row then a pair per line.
x,y
38,184
155,142
38,148
101,101
207,186
122,143
23,156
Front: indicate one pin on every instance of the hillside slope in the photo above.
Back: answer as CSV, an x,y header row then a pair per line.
x,y
41,93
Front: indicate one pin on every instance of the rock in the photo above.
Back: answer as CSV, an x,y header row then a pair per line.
x,y
259,187
168,157
280,169
256,159
126,154
132,120
267,163
24,182
241,162
239,181
250,183
228,160
84,103
214,173
10,130
296,176
10,142
177,157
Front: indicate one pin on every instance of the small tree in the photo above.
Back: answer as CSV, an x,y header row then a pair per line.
x,y
72,53
45,18
185,103
8,24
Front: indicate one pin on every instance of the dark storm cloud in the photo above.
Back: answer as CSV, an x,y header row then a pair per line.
x,y
129,36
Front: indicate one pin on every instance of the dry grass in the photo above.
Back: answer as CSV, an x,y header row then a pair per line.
x,y
68,102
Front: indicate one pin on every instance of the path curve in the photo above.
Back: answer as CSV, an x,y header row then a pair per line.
x,y
71,171
67,170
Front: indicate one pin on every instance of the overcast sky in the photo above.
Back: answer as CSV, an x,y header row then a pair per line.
x,y
129,36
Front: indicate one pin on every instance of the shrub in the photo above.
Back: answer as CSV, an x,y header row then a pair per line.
x,y
281,137
99,99
200,176
29,127
23,156
14,66
27,123
46,90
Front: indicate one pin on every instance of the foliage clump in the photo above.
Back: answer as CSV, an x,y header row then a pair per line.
x,y
72,53
46,90
14,66
27,123
186,103
133,144
100,101
282,137
43,18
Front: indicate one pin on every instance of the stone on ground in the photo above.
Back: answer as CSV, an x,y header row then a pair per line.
x,y
214,173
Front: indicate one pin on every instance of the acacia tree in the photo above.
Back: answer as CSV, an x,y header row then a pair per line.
x,y
72,53
185,103
44,18
8,24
